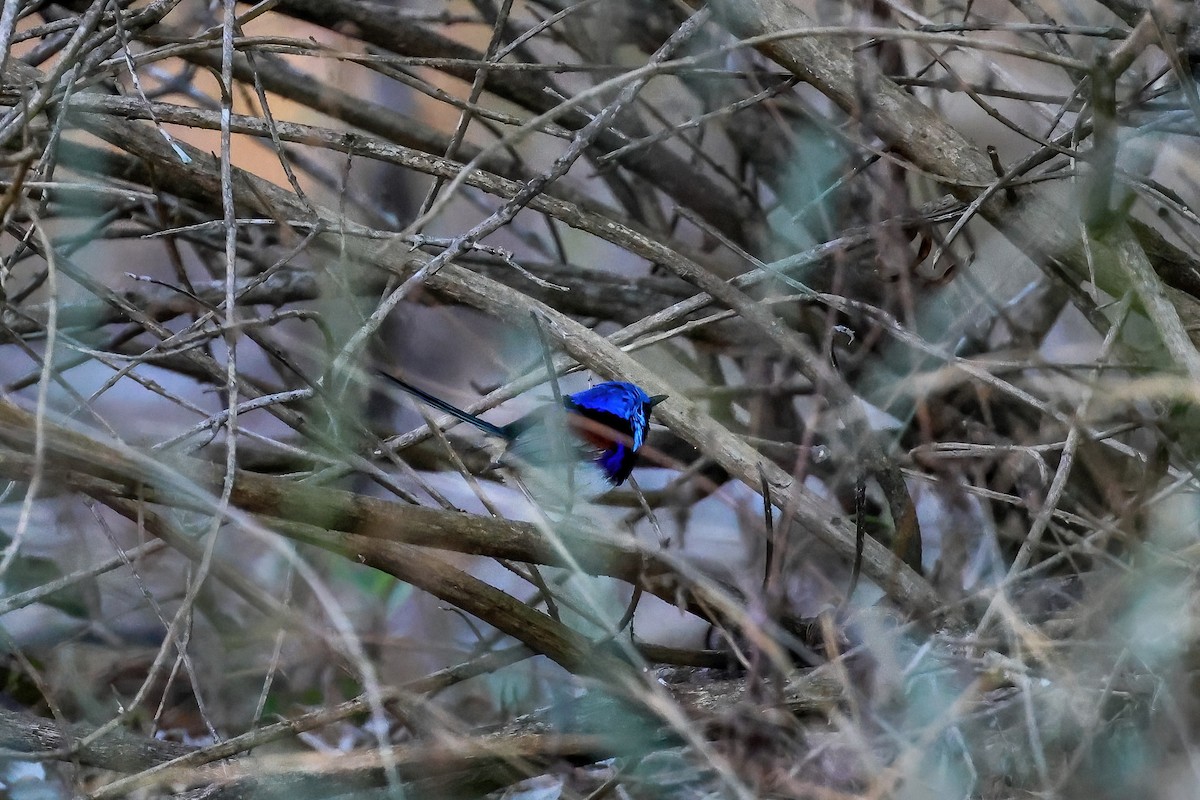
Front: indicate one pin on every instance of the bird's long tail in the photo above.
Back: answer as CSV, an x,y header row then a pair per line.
x,y
442,405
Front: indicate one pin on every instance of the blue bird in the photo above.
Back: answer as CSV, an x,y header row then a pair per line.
x,y
608,421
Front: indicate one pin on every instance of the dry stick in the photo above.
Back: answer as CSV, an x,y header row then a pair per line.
x,y
37,475
1156,303
279,78
123,37
686,66
8,23
548,22
445,766
673,130
25,734
178,631
438,767
30,596
464,117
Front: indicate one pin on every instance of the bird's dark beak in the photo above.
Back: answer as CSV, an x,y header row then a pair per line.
x,y
656,399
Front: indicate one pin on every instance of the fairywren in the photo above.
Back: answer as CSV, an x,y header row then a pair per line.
x,y
607,422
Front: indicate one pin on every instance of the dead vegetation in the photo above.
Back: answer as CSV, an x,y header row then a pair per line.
x,y
919,519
